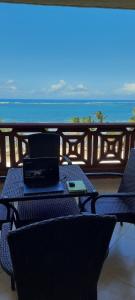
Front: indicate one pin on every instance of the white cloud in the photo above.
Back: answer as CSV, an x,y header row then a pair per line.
x,y
8,85
12,88
66,89
128,88
79,88
76,90
10,81
58,86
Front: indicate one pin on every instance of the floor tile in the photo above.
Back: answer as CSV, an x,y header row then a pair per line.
x,y
116,290
119,231
5,288
8,296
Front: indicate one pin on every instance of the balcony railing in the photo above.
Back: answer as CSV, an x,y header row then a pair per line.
x,y
95,147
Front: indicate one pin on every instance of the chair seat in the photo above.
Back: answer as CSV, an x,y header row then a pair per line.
x,y
38,210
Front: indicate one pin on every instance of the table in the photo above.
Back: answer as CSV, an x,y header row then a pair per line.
x,y
13,187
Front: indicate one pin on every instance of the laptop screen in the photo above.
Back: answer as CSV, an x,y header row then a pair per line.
x,y
40,171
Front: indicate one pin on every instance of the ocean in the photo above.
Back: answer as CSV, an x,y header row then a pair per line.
x,y
20,110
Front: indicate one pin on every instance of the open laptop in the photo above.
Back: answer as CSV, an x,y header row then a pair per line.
x,y
41,175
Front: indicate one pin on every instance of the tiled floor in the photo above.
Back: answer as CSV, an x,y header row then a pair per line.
x,y
117,280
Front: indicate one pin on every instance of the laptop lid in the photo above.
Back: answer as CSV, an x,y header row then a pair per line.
x,y
40,171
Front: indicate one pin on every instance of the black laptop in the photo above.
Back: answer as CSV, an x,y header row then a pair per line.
x,y
41,175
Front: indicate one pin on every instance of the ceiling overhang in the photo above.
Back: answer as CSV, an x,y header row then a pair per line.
x,y
123,4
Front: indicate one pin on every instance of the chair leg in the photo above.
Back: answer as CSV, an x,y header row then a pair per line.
x,y
12,283
121,223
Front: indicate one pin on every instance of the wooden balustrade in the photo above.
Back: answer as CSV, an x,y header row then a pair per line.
x,y
95,147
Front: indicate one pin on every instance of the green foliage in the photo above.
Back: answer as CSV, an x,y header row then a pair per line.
x,y
82,120
99,116
86,119
132,119
75,120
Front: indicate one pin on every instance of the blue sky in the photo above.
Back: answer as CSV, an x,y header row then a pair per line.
x,y
66,53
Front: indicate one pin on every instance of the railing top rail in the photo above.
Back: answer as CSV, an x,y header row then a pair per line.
x,y
35,126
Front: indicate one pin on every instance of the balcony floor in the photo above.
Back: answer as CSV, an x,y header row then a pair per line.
x,y
117,280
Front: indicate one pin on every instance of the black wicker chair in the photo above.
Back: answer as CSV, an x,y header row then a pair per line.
x,y
46,144
52,209
60,258
40,145
122,203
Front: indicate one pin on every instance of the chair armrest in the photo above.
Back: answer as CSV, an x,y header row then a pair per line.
x,y
108,195
103,174
114,195
89,198
12,212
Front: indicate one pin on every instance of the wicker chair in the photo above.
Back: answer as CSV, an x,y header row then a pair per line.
x,y
52,209
60,258
40,145
45,144
122,203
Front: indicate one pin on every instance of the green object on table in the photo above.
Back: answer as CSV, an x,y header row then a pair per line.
x,y
76,186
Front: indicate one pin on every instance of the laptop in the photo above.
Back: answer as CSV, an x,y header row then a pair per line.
x,y
54,188
41,175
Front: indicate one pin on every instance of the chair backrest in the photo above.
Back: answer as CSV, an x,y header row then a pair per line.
x,y
60,258
44,144
128,180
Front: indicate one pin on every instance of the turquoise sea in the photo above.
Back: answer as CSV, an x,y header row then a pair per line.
x,y
20,110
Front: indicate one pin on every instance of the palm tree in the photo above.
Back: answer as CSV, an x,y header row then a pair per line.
x,y
132,119
100,116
